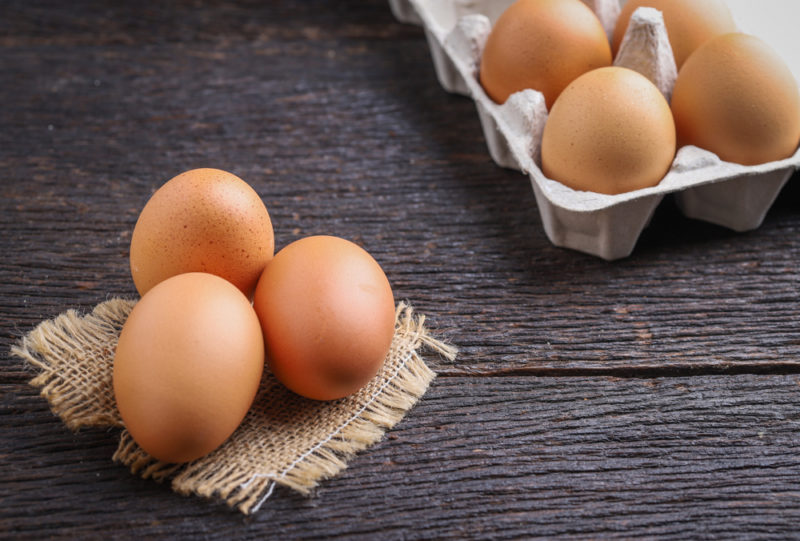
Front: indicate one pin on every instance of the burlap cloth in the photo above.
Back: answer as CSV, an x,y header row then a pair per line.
x,y
284,439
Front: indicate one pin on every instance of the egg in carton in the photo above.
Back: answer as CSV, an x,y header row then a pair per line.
x,y
705,187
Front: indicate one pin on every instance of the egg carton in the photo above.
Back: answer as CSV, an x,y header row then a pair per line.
x,y
608,226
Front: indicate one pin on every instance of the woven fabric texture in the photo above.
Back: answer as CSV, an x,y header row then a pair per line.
x,y
284,439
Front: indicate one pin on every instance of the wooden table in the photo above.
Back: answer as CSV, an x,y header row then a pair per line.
x,y
656,396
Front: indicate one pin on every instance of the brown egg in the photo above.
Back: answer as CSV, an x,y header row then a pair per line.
x,y
735,97
187,366
203,220
610,131
543,45
690,23
327,312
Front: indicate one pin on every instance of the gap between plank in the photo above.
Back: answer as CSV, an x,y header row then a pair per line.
x,y
643,372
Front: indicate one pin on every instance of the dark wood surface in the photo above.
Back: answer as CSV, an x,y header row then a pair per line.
x,y
657,396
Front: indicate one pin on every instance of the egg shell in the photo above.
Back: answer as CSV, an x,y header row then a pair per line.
x,y
542,44
735,97
690,23
187,366
610,131
608,226
203,220
327,312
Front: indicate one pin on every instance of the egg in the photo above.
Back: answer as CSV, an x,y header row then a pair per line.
x,y
690,23
203,220
327,313
187,366
736,97
542,45
610,131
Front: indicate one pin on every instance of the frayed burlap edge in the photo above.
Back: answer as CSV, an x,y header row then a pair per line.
x,y
55,347
55,341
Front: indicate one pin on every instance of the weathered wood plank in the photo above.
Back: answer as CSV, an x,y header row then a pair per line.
x,y
344,130
333,113
480,457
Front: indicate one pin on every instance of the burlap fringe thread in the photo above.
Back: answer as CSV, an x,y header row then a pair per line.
x,y
285,439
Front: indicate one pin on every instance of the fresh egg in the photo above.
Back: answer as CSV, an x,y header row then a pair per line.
x,y
543,45
327,312
735,97
203,220
187,366
610,131
690,23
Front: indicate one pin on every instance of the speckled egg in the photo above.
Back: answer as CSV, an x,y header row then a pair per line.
x,y
542,45
737,98
203,220
610,131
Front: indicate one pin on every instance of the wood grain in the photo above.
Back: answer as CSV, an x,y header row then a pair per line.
x,y
338,122
332,111
480,457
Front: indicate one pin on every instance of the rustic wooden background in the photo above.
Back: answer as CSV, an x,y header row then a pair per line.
x,y
654,396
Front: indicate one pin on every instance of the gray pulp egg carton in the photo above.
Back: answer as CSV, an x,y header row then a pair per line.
x,y
705,187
